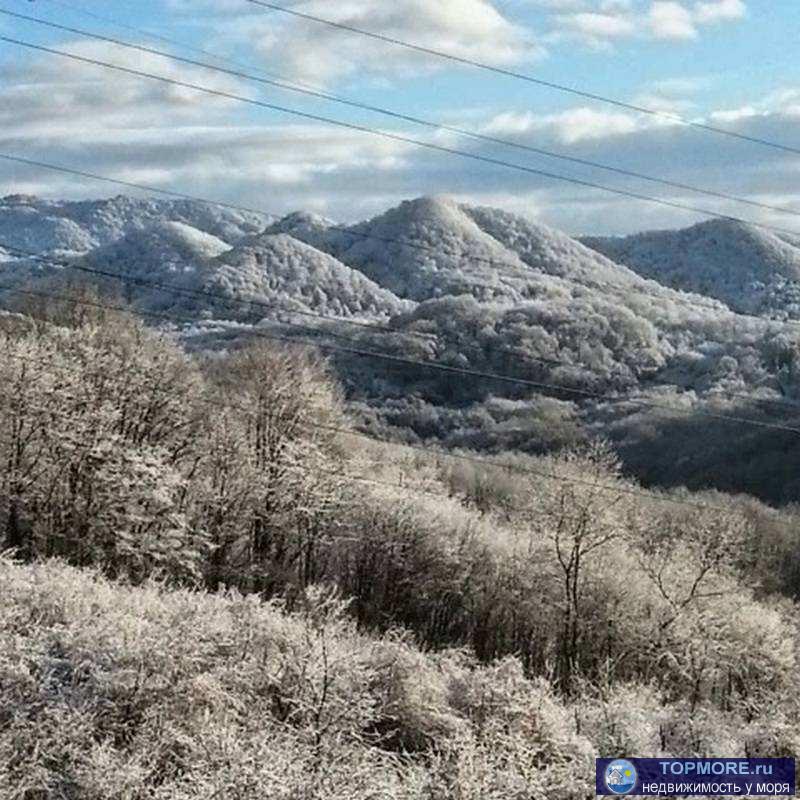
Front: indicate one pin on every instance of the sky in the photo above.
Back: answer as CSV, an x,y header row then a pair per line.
x,y
726,63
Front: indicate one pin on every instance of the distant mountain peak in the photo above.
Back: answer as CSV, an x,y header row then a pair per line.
x,y
19,200
750,269
300,222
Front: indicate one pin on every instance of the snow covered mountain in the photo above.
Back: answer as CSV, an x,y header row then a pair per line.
x,y
503,293
277,269
190,268
750,269
434,247
477,287
27,227
51,225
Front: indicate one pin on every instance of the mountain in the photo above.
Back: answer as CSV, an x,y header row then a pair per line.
x,y
263,274
163,247
476,286
433,247
42,226
505,294
279,269
425,248
33,229
165,252
750,269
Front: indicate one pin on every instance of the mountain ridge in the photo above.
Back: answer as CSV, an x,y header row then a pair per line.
x,y
750,269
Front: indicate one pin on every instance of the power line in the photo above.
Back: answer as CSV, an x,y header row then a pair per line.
x,y
526,470
443,367
474,135
525,77
129,184
396,137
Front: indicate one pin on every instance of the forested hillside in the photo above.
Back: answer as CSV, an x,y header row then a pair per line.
x,y
751,269
308,612
578,344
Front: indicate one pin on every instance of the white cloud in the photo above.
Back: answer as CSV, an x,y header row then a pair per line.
x,y
595,25
568,127
663,103
734,114
70,96
671,20
559,5
712,11
599,23
682,86
482,30
307,51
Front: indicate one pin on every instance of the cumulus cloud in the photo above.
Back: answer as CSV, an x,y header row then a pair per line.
x,y
473,29
595,26
719,11
568,127
602,22
671,20
482,30
71,96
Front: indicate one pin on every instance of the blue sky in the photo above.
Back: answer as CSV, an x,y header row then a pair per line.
x,y
726,62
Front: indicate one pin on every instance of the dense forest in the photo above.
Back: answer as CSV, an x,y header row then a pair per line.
x,y
214,585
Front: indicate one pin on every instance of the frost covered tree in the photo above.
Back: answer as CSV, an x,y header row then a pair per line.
x,y
96,431
281,439
577,520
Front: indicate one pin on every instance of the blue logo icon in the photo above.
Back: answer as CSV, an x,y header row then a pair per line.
x,y
620,776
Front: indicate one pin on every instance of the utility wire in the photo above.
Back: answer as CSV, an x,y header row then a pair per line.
x,y
525,77
360,352
395,136
428,451
474,135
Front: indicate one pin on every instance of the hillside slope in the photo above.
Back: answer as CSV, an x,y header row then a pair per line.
x,y
750,269
279,269
113,691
